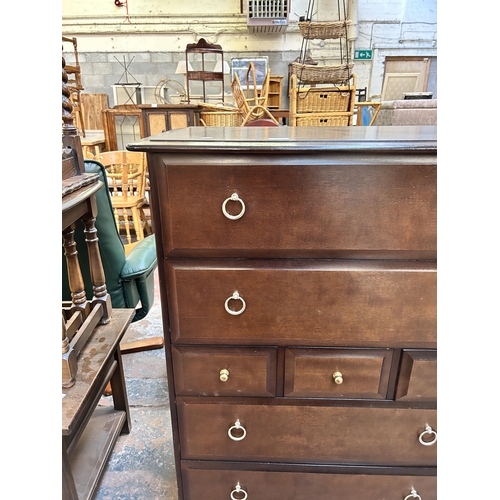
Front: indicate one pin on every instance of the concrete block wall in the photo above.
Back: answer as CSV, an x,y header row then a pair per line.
x,y
100,70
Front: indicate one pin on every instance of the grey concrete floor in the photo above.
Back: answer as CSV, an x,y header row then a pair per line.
x,y
141,466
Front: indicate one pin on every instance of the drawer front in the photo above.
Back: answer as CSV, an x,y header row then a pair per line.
x,y
218,484
417,376
299,208
224,371
337,373
330,303
306,434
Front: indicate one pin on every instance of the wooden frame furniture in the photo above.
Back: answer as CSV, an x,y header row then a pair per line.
x,y
362,104
275,92
209,53
299,309
126,175
252,107
91,331
127,123
89,432
74,83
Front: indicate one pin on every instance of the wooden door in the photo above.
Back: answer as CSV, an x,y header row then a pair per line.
x,y
404,74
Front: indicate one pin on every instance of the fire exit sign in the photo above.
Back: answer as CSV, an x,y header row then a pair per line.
x,y
363,55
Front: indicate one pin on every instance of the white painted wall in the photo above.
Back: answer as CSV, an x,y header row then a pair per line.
x,y
156,33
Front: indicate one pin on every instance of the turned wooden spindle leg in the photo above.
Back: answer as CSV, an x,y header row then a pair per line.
x,y
75,278
101,295
69,364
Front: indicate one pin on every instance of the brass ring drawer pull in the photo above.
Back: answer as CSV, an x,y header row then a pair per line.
x,y
239,427
233,197
235,296
338,378
239,489
413,494
428,430
224,375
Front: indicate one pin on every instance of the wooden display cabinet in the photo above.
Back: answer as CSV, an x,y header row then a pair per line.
x,y
128,123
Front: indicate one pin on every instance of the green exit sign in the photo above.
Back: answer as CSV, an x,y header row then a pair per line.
x,y
365,55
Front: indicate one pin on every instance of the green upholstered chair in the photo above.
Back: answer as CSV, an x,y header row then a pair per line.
x,y
129,278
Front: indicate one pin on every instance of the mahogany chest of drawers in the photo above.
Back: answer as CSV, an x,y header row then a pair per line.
x,y
298,282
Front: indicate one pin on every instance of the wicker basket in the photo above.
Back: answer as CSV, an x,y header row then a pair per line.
x,y
220,116
323,30
317,100
308,73
325,121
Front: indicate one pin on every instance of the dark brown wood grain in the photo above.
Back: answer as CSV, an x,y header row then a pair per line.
x,y
306,434
418,376
271,485
312,209
361,373
335,260
335,303
251,371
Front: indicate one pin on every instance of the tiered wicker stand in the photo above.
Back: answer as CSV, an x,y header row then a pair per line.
x,y
331,104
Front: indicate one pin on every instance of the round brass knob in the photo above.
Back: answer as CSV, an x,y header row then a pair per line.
x,y
337,377
224,375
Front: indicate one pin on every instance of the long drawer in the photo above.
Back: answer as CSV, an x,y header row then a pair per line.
x,y
312,209
330,303
307,434
258,485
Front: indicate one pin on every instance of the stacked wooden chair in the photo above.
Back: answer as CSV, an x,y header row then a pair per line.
x,y
127,178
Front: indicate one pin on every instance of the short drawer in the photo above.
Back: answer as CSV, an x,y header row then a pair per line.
x,y
417,379
224,371
330,303
300,210
307,434
217,484
337,373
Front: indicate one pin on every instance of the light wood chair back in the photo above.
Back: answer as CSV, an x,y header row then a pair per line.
x,y
252,108
126,174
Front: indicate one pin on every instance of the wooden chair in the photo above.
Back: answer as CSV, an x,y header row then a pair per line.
x,y
126,174
252,107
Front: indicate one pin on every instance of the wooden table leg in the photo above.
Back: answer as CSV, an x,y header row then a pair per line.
x,y
68,483
119,391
